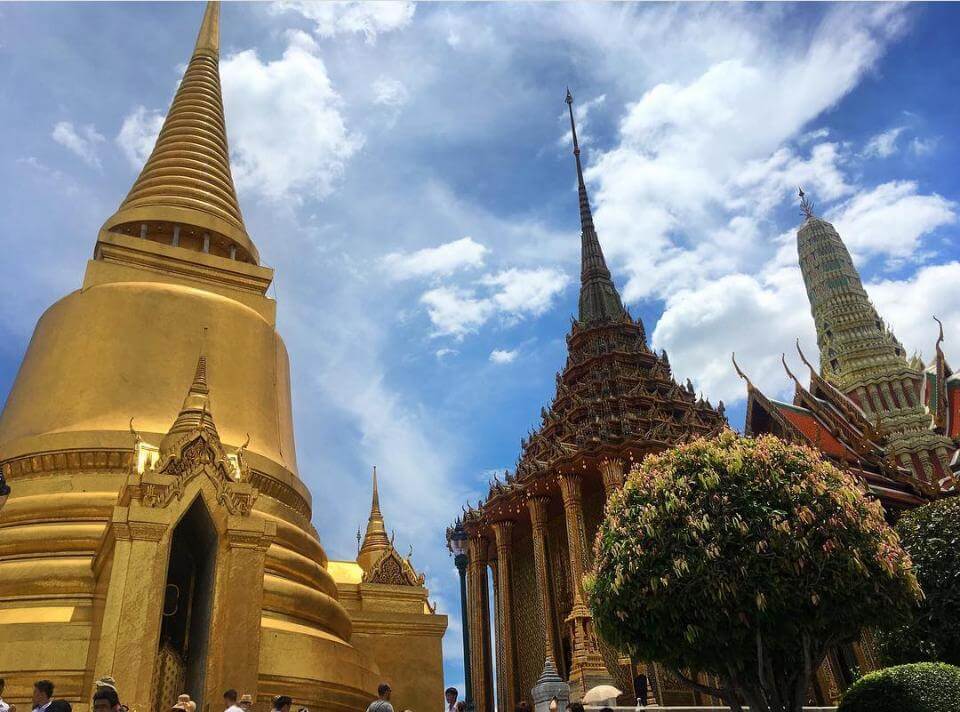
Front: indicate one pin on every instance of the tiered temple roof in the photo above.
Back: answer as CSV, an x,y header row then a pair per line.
x,y
615,397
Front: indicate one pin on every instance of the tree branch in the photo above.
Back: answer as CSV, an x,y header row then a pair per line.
x,y
699,687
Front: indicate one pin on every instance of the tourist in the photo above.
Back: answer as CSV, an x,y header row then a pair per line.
x,y
246,702
105,699
450,694
281,703
230,701
42,695
59,706
4,707
382,703
461,706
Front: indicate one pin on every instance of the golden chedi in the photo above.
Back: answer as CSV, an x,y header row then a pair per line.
x,y
158,531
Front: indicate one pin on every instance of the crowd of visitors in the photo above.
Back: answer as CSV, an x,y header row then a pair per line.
x,y
106,698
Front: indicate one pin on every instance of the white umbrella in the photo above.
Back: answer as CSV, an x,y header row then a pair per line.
x,y
601,693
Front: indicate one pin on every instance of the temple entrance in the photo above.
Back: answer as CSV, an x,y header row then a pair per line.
x,y
187,609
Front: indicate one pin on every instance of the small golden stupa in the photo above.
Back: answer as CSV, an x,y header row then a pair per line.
x,y
158,531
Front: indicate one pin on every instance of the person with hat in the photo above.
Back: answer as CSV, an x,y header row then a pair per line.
x,y
246,702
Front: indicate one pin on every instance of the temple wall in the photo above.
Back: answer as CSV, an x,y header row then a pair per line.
x,y
394,627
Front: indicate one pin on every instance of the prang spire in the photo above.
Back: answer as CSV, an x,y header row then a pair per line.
x,y
184,195
599,300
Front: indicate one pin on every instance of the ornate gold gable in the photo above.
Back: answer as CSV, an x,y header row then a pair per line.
x,y
393,570
190,449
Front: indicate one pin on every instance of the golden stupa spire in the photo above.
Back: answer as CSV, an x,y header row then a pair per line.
x,y
185,196
195,412
376,540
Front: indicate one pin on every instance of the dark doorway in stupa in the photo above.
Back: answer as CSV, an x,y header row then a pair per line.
x,y
187,609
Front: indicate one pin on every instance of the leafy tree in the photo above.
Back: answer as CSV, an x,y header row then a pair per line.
x,y
745,559
920,687
931,535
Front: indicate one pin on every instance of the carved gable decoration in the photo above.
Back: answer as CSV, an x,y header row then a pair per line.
x,y
199,454
393,570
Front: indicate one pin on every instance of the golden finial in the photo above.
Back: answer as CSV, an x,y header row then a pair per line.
x,y
208,39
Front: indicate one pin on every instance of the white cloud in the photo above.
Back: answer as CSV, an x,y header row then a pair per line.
x,y
891,219
138,134
526,291
705,160
456,312
83,142
503,356
443,353
370,18
923,146
909,305
884,144
288,135
513,294
389,92
444,259
758,317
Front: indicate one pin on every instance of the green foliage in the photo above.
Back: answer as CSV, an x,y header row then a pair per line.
x,y
920,687
931,535
732,555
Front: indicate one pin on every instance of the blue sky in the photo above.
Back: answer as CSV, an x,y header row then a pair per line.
x,y
406,169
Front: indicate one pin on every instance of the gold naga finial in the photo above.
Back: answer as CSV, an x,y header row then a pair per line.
x,y
806,207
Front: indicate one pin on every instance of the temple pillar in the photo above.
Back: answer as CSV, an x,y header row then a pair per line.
x,y
478,604
136,569
587,667
235,628
613,475
538,520
503,533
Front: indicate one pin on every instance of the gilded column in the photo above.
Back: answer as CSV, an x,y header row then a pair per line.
x,y
234,652
538,520
479,614
613,476
587,668
503,532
